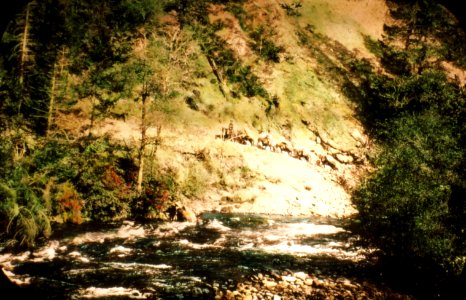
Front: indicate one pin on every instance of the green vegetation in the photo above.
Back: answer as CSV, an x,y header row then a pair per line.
x,y
65,53
264,45
292,9
426,29
79,57
102,60
226,66
65,182
413,206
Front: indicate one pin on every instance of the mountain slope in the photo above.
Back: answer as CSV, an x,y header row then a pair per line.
x,y
312,114
303,104
155,85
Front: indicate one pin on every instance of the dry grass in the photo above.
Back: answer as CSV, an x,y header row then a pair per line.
x,y
346,20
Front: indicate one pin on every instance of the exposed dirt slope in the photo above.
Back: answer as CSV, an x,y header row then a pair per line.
x,y
313,116
327,145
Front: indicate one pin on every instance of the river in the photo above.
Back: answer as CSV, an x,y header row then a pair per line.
x,y
222,256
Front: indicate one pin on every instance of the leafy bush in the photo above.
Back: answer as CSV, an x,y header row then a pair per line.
x,y
101,183
89,183
248,83
159,193
22,210
395,61
413,207
69,204
61,181
292,9
195,182
404,209
245,81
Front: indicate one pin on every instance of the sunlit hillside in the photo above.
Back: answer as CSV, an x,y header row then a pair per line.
x,y
166,111
294,96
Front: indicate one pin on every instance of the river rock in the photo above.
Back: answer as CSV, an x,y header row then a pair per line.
x,y
120,251
301,275
289,278
309,282
269,284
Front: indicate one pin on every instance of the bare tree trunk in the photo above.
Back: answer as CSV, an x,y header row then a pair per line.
x,y
141,172
24,52
156,142
55,93
221,82
142,146
63,74
52,101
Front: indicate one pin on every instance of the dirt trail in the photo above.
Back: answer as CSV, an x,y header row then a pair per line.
x,y
273,183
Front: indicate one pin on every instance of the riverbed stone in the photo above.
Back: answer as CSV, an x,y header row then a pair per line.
x,y
289,278
301,275
269,284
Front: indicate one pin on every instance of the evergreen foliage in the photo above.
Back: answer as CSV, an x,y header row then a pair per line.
x,y
223,61
424,21
413,206
264,45
52,178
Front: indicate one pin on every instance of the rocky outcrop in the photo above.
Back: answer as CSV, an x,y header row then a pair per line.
x,y
345,164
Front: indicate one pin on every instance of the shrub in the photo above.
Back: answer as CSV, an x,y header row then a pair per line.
x,y
413,207
386,99
395,61
69,204
159,193
195,182
264,45
101,182
25,217
406,207
292,9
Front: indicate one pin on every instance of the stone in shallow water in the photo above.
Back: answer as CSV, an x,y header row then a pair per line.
x,y
79,257
93,292
121,251
301,275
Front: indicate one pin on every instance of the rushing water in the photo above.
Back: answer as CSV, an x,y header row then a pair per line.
x,y
180,260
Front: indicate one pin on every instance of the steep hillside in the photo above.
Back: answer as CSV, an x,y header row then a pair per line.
x,y
311,112
336,112
235,106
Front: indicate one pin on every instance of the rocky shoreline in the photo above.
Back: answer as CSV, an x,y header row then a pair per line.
x,y
300,285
